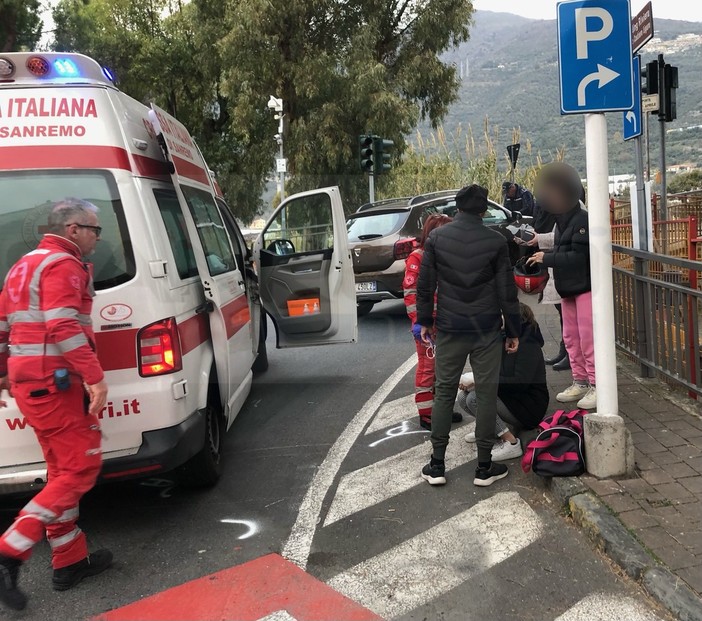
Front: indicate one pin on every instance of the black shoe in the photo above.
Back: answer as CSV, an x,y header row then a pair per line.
x,y
434,472
10,595
67,577
457,417
562,365
425,424
558,357
487,476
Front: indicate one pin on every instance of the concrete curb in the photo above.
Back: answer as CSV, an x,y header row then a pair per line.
x,y
611,536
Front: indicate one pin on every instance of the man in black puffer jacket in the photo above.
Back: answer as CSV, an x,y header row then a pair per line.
x,y
468,265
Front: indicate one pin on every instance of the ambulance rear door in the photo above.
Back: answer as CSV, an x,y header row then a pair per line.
x,y
226,302
306,274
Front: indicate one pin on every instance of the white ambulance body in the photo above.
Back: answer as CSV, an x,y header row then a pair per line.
x,y
177,313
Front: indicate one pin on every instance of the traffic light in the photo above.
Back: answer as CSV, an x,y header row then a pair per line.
x,y
381,148
669,101
366,158
649,78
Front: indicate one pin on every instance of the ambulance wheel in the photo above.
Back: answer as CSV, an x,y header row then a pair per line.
x,y
260,365
363,308
205,468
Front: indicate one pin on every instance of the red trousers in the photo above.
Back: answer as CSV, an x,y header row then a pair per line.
x,y
70,440
424,382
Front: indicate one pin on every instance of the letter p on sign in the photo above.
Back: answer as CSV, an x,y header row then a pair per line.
x,y
583,35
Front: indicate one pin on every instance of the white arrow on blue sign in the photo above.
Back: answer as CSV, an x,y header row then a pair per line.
x,y
594,54
633,118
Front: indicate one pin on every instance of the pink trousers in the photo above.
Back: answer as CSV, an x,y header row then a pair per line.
x,y
578,336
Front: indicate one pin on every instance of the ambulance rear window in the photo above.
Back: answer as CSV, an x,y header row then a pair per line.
x,y
25,201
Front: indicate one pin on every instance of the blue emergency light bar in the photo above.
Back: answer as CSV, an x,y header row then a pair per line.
x,y
35,67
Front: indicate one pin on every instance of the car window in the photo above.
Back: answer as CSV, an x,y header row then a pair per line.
x,y
305,224
375,226
28,198
210,229
234,234
494,215
177,231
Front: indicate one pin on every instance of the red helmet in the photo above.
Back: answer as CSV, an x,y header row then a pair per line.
x,y
531,279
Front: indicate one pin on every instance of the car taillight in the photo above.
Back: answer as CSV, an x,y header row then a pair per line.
x,y
159,348
403,248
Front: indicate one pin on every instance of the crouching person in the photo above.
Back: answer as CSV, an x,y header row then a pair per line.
x,y
522,394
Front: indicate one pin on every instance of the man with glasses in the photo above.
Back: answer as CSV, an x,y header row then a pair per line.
x,y
49,364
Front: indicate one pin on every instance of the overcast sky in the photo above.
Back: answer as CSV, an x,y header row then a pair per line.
x,y
690,10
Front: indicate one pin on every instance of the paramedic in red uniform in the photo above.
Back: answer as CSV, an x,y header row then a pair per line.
x,y
52,371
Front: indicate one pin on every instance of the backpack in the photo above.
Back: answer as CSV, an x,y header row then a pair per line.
x,y
558,450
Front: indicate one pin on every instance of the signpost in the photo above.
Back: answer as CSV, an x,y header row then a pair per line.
x,y
597,76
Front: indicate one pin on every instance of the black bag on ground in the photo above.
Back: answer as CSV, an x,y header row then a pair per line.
x,y
558,450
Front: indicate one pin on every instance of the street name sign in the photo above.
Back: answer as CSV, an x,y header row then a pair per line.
x,y
633,117
650,103
594,54
642,28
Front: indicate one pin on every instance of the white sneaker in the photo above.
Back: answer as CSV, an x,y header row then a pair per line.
x,y
589,401
470,438
574,393
502,451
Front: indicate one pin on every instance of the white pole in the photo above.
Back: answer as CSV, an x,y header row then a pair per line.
x,y
601,263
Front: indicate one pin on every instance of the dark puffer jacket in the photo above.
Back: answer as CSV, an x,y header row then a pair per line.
x,y
523,387
570,258
469,266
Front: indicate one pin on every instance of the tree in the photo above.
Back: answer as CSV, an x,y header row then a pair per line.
x,y
162,51
20,25
341,68
685,182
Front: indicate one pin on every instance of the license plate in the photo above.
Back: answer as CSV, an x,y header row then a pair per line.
x,y
366,287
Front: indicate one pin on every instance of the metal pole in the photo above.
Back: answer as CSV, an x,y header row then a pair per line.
x,y
282,174
644,215
371,187
601,264
648,148
663,210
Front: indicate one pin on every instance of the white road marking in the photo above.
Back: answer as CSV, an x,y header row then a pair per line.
x,y
251,527
394,475
280,615
393,413
605,607
297,547
443,557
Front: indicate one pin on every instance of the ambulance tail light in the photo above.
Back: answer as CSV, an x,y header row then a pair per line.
x,y
38,66
159,348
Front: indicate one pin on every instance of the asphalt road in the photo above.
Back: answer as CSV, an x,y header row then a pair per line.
x,y
363,522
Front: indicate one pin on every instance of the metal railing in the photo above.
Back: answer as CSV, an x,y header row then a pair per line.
x,y
657,315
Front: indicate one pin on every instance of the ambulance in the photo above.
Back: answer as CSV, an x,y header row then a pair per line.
x,y
180,301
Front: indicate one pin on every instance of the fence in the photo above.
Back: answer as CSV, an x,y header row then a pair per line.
x,y
657,317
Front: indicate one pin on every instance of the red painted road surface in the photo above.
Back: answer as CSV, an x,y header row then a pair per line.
x,y
249,592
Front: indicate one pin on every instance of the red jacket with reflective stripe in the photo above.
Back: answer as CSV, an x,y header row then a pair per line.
x,y
409,284
45,309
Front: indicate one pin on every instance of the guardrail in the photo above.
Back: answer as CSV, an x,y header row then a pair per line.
x,y
657,315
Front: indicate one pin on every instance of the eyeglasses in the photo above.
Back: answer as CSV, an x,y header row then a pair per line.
x,y
95,229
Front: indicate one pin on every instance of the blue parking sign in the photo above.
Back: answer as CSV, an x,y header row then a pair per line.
x,y
633,118
595,57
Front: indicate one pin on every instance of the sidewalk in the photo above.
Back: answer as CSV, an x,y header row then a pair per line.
x,y
661,504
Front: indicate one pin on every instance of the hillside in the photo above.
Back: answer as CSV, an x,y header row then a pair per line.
x,y
510,75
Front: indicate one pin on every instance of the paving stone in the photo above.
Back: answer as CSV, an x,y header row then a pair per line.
x,y
696,463
638,487
693,576
648,422
693,484
672,490
657,476
665,458
686,452
604,487
692,540
637,519
693,513
639,437
675,556
651,447
621,502
683,428
668,438
680,471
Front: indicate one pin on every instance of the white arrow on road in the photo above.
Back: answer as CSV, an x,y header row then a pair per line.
x,y
603,75
631,117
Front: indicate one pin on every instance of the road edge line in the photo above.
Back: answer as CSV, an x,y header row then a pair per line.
x,y
299,543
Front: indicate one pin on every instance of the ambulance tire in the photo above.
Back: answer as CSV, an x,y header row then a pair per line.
x,y
204,469
260,365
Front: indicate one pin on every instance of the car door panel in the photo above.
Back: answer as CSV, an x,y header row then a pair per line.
x,y
306,272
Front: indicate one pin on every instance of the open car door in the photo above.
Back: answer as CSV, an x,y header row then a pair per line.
x,y
306,273
226,304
